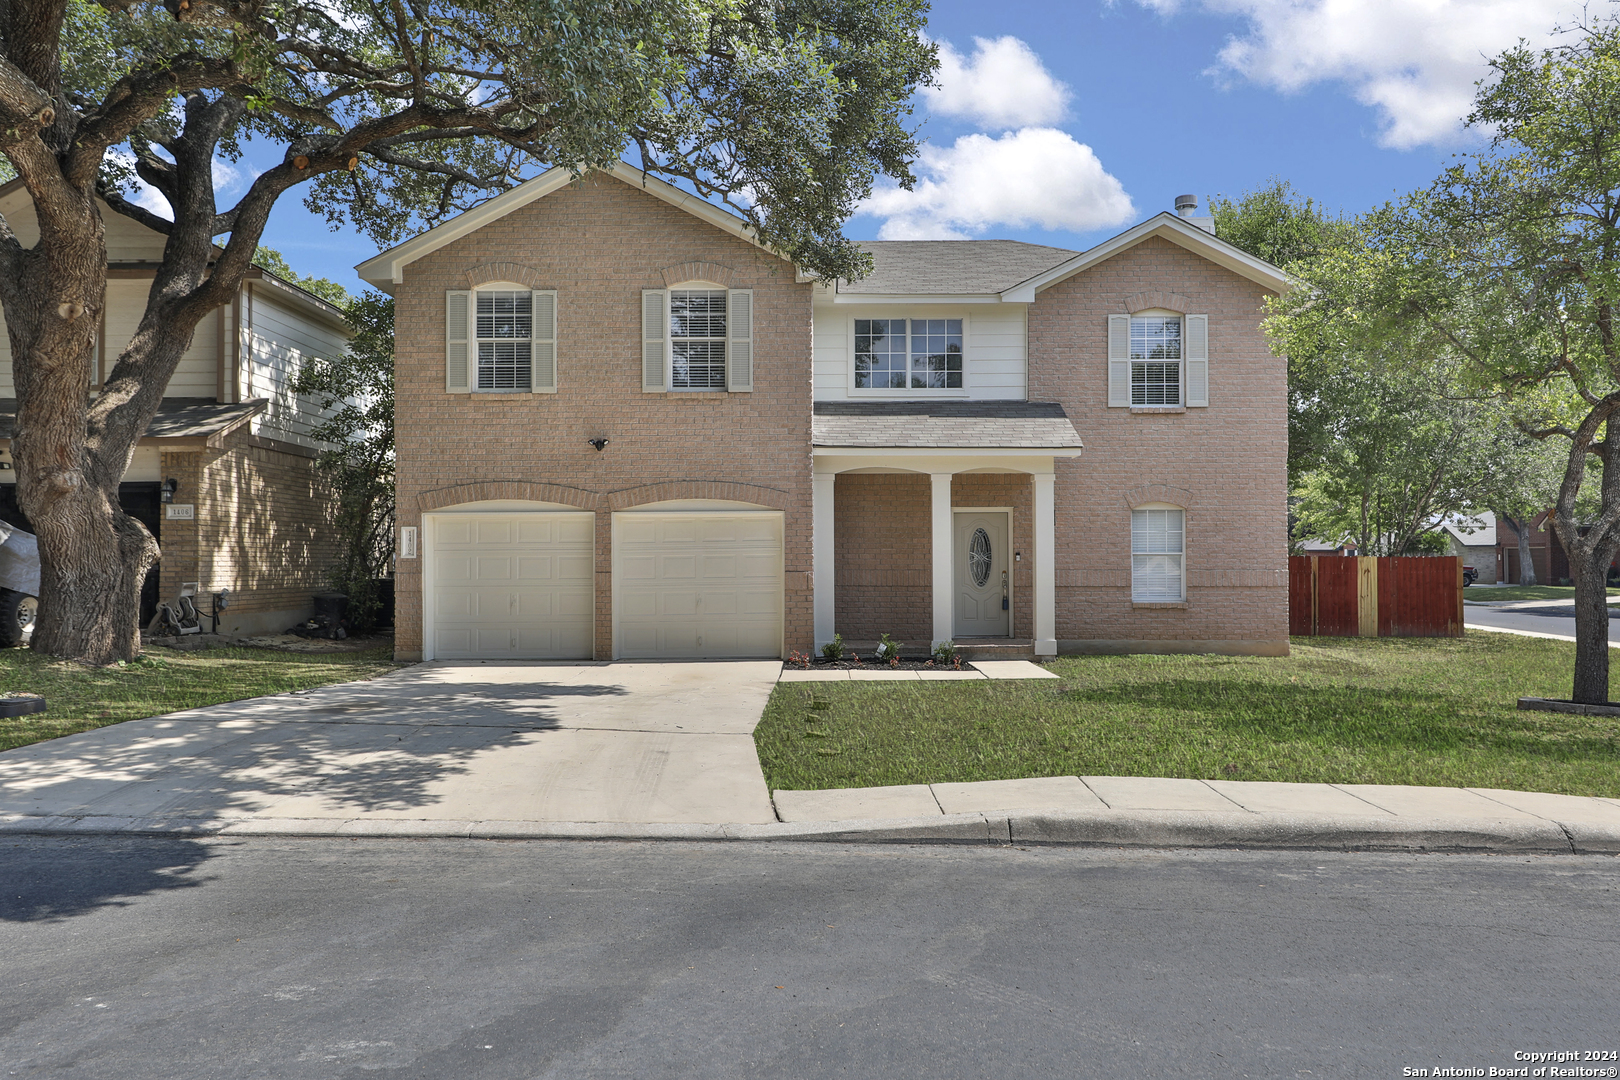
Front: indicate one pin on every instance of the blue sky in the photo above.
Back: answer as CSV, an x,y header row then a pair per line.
x,y
1063,123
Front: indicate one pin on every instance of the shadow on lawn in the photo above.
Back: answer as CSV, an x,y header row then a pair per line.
x,y
48,880
1362,718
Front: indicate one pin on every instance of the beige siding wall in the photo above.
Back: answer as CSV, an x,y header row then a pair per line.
x,y
279,339
1225,464
599,243
993,347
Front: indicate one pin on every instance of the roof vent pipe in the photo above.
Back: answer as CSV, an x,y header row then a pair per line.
x,y
1186,204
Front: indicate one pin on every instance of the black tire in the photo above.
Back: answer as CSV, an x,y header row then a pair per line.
x,y
17,614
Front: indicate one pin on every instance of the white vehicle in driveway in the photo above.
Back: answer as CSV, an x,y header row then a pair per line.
x,y
19,585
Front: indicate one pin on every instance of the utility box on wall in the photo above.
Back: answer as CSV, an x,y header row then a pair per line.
x,y
1364,596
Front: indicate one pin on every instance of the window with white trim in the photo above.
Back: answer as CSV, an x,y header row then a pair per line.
x,y
908,354
697,336
504,334
1155,360
1158,553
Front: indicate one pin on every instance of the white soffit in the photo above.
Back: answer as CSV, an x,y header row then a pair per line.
x,y
1176,231
388,268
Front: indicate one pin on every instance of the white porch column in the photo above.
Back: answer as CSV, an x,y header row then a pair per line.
x,y
944,559
822,581
1045,564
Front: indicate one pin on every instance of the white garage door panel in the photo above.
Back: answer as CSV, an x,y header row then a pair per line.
x,y
513,587
699,585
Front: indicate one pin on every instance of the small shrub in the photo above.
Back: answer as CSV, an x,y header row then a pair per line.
x,y
945,652
888,648
834,649
800,658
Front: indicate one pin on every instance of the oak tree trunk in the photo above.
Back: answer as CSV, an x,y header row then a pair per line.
x,y
1591,573
1527,565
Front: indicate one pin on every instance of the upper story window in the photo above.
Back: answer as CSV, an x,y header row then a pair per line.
x,y
1155,360
697,333
505,336
908,354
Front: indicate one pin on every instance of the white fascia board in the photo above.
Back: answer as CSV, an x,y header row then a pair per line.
x,y
388,268
914,298
1176,231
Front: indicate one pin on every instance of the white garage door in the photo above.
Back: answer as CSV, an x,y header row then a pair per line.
x,y
513,586
698,585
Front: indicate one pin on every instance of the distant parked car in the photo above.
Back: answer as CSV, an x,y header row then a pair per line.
x,y
1470,575
19,585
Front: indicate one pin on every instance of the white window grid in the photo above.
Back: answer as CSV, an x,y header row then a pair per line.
x,y
899,354
697,332
505,334
1158,553
1155,360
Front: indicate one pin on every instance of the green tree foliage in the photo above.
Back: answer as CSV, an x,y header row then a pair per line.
x,y
1505,273
356,390
271,260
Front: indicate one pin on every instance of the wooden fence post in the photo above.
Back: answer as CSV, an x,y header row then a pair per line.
x,y
1367,596
1315,626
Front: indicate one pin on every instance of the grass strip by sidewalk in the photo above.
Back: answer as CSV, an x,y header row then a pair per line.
x,y
1504,594
1438,711
78,698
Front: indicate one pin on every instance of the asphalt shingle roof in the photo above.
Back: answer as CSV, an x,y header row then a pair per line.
x,y
952,266
1033,425
177,418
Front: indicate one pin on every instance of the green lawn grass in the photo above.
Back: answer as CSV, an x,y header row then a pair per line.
x,y
78,698
1340,710
1523,592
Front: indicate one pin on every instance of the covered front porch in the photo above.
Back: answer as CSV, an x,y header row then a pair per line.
x,y
937,522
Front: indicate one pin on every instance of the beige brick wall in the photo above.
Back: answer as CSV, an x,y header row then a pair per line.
x,y
1226,464
599,243
262,530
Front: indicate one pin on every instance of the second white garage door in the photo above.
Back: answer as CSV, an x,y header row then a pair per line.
x,y
698,585
513,586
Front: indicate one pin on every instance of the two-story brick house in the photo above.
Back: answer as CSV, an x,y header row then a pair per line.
x,y
627,430
247,513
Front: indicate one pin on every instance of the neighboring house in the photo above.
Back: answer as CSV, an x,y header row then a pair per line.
x,y
625,429
1472,538
229,432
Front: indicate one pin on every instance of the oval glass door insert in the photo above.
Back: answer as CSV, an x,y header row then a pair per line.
x,y
979,557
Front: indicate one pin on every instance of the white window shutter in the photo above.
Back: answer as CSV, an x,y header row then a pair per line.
x,y
457,347
543,343
740,342
654,340
1119,361
1197,360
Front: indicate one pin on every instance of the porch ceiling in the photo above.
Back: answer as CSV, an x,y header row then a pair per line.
x,y
957,425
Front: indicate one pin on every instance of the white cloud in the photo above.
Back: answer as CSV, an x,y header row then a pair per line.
x,y
1033,177
1002,85
1415,61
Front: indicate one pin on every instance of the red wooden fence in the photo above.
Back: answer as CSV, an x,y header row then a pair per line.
x,y
1347,596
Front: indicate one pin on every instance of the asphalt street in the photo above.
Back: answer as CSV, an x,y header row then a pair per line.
x,y
349,958
1558,621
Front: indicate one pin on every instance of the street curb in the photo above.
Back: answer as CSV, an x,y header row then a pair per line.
x,y
1078,828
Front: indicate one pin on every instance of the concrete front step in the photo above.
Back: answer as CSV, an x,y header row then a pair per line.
x,y
996,649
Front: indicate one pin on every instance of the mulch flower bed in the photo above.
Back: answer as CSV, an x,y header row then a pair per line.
x,y
905,663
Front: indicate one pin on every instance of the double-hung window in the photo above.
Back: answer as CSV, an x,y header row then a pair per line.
x,y
1155,360
1158,551
697,332
908,354
505,336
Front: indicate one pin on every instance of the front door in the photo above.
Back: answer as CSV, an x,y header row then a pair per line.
x,y
983,591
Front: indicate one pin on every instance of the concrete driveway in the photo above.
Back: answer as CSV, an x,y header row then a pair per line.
x,y
622,742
